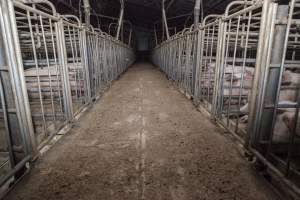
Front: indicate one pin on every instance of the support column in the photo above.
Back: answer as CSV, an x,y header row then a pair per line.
x,y
87,11
120,20
83,41
266,79
165,22
274,72
196,66
196,13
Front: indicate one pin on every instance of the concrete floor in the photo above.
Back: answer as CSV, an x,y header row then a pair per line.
x,y
143,140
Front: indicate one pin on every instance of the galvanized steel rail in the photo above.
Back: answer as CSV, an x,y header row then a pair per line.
x,y
52,67
243,68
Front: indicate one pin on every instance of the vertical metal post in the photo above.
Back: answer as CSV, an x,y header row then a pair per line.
x,y
155,35
17,79
87,10
120,19
130,35
274,72
83,41
256,96
162,30
197,63
196,13
7,103
218,91
62,57
165,22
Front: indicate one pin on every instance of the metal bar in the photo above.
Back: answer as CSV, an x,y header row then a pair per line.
x,y
165,22
16,73
62,57
120,22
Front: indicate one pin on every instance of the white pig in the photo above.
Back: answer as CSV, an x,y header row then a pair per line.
x,y
290,78
283,124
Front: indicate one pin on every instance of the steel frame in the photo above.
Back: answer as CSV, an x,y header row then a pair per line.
x,y
52,67
256,37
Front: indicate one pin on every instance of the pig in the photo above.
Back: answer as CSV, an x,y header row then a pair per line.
x,y
288,118
287,94
281,130
208,76
281,127
283,123
56,84
290,78
229,69
233,78
285,117
236,74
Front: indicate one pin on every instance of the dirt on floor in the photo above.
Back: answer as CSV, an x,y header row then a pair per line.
x,y
143,140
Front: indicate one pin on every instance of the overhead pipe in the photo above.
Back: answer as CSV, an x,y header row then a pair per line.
x,y
169,18
113,18
169,5
165,19
130,31
105,16
174,17
120,19
50,4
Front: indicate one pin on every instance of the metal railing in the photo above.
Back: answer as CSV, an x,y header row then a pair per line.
x,y
243,68
51,67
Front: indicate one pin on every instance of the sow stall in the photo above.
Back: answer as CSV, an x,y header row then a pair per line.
x,y
52,67
243,68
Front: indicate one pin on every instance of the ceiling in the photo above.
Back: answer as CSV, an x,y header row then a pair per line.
x,y
142,13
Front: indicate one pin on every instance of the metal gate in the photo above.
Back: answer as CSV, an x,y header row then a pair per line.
x,y
44,80
206,61
274,111
247,76
176,58
77,71
46,60
100,47
238,46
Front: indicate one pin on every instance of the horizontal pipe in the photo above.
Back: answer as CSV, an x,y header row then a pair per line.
x,y
50,4
15,169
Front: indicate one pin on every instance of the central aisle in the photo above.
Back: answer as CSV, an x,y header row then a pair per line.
x,y
143,140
